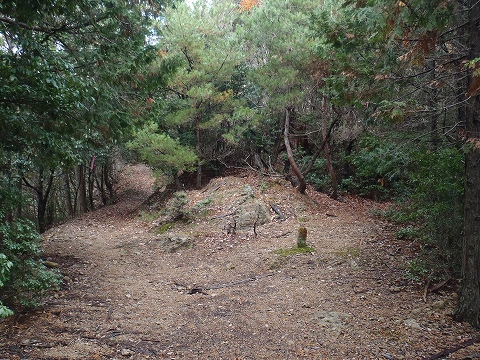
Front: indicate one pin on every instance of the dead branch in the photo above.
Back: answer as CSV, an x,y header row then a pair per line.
x,y
202,290
284,234
452,350
278,211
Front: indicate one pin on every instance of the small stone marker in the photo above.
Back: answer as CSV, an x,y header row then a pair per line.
x,y
302,237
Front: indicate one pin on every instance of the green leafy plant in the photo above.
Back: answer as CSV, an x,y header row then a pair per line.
x,y
264,187
25,278
436,201
417,270
432,214
5,266
201,207
176,207
380,168
407,233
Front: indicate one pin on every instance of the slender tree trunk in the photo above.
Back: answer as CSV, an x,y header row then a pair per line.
x,y
81,189
68,195
45,198
43,192
199,165
106,177
315,156
302,186
468,308
101,187
91,179
41,204
199,175
328,154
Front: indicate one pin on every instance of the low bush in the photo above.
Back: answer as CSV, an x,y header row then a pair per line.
x,y
25,279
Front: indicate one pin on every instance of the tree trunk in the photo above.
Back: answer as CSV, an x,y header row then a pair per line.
x,y
90,182
198,148
81,189
42,196
101,187
199,175
315,156
302,186
106,177
68,195
468,308
328,154
41,203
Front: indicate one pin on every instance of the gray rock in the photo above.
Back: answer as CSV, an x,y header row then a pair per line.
x,y
174,242
412,323
250,213
126,352
331,319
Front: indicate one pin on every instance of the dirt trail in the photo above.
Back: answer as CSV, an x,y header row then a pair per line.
x,y
231,296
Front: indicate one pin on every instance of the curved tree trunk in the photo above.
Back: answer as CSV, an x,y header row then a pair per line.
x,y
301,180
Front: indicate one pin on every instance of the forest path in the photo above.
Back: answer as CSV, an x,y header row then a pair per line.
x,y
231,296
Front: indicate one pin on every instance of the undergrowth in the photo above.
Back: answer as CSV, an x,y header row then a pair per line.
x,y
24,278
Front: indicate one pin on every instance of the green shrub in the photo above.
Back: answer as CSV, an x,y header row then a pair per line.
x,y
436,198
428,189
432,213
407,233
377,160
25,279
176,208
318,177
417,270
5,266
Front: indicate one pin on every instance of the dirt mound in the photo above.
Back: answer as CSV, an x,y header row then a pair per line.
x,y
233,290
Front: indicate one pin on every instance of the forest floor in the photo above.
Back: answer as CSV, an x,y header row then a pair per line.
x,y
137,287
